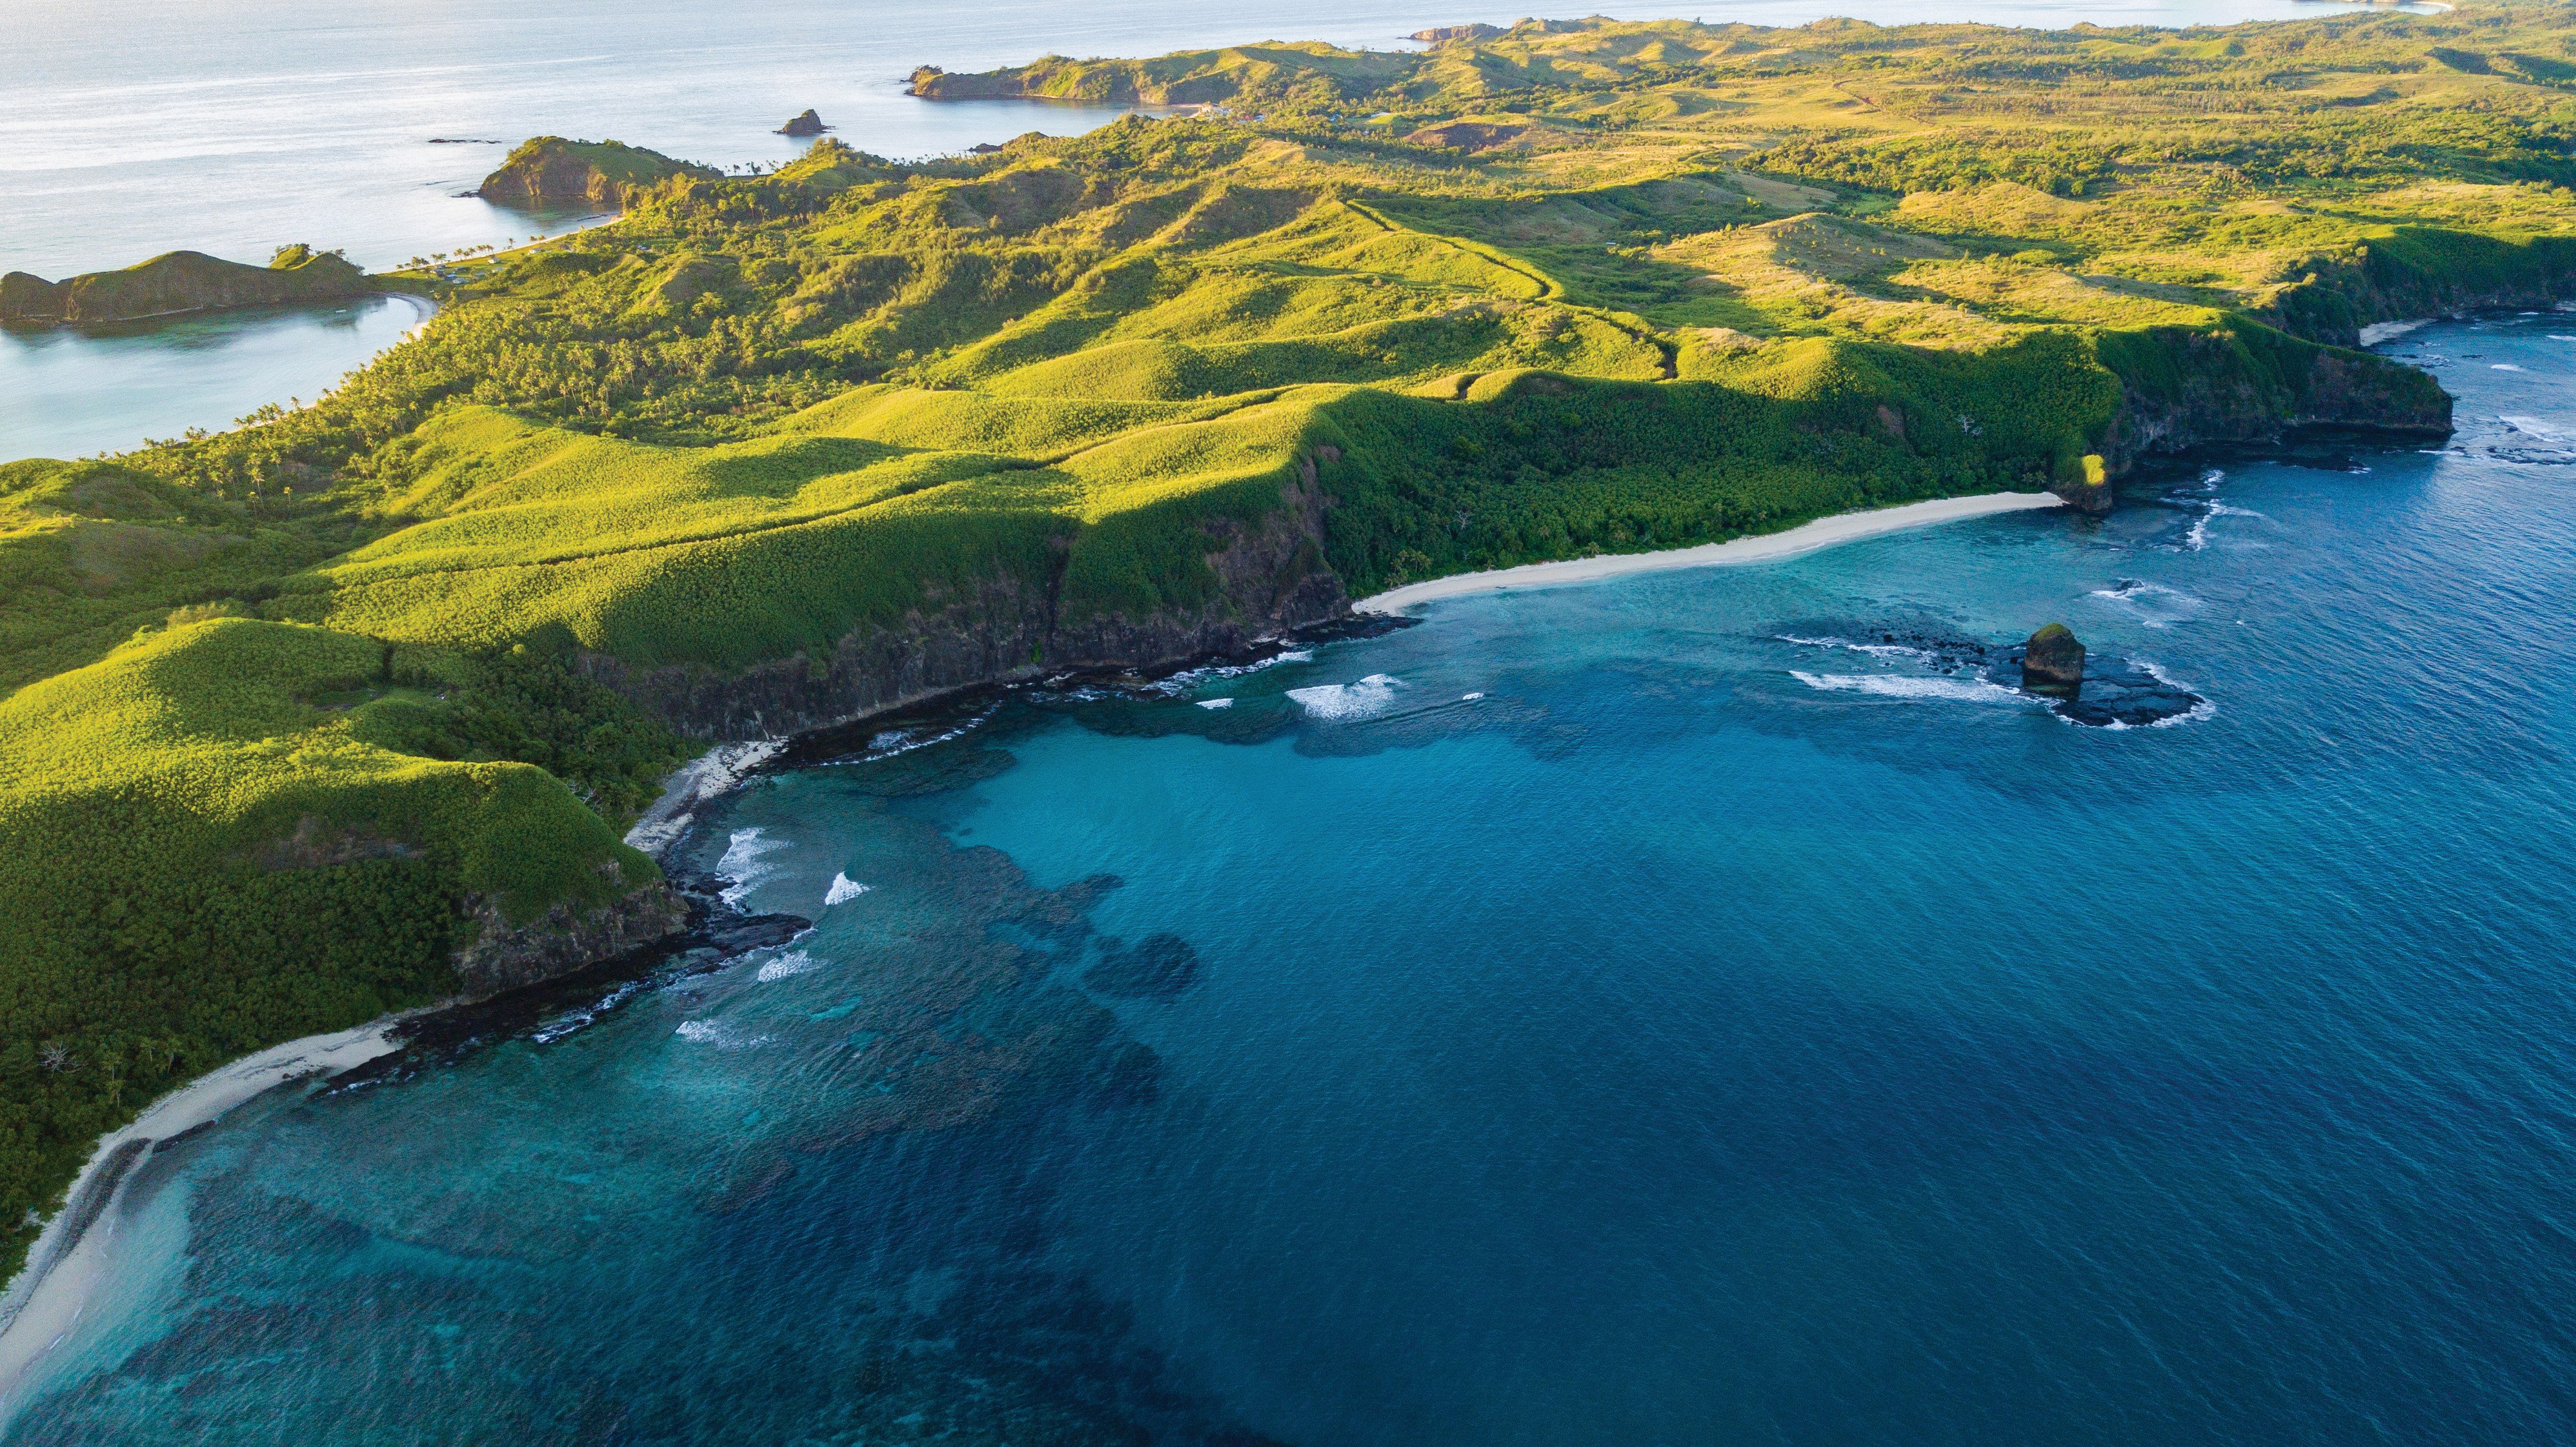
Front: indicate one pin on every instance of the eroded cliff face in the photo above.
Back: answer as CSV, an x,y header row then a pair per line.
x,y
1271,577
2334,298
564,939
550,173
2207,391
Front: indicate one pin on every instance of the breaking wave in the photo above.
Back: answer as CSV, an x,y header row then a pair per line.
x,y
1342,702
794,962
2153,604
1898,685
744,864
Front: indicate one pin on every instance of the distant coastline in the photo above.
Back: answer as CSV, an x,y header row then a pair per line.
x,y
1822,533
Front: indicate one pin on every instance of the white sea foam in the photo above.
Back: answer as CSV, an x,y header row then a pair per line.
x,y
1900,685
1469,697
573,1021
2532,426
1190,678
717,1034
1342,702
1216,703
843,890
2139,588
2194,714
1874,650
743,866
886,743
2502,367
2153,604
794,962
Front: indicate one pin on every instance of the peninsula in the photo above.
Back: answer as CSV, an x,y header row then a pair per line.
x,y
178,283
347,712
553,174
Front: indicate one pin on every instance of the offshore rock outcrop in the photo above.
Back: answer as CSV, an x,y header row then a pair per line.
x,y
2053,661
180,282
808,124
1271,577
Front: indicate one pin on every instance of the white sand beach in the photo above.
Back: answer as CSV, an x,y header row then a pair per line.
x,y
709,776
64,1267
2377,332
1822,533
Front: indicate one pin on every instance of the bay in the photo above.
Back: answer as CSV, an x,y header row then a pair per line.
x,y
1696,1007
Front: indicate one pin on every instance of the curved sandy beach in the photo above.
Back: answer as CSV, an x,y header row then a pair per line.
x,y
1822,533
45,1300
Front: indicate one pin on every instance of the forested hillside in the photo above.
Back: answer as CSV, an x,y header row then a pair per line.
x,y
299,711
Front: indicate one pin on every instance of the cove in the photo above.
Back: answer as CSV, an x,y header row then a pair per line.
x,y
1690,1007
66,392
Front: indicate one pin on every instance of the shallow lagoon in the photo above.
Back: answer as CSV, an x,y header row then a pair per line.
x,y
1658,1046
67,392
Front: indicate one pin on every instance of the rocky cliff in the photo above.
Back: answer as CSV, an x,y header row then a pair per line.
x,y
504,956
2249,386
179,282
1271,577
2420,272
550,173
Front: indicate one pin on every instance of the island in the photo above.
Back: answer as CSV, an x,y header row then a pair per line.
x,y
180,282
353,710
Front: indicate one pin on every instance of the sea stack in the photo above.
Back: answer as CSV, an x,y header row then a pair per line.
x,y
2053,661
808,124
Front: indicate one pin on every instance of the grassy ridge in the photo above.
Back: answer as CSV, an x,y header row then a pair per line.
x,y
283,698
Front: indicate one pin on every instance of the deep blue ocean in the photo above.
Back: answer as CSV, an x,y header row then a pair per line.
x,y
1699,1008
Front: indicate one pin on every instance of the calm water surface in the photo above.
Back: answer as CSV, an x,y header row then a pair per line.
x,y
1593,1015
144,126
67,393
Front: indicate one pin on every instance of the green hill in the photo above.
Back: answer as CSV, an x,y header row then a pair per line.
x,y
550,173
309,715
179,282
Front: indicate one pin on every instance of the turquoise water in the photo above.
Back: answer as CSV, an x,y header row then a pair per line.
x,y
68,393
1587,1016
234,128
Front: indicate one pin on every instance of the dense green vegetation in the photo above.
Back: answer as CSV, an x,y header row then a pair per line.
x,y
181,281
550,173
282,698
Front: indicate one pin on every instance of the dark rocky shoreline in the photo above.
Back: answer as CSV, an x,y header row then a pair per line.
x,y
1275,585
